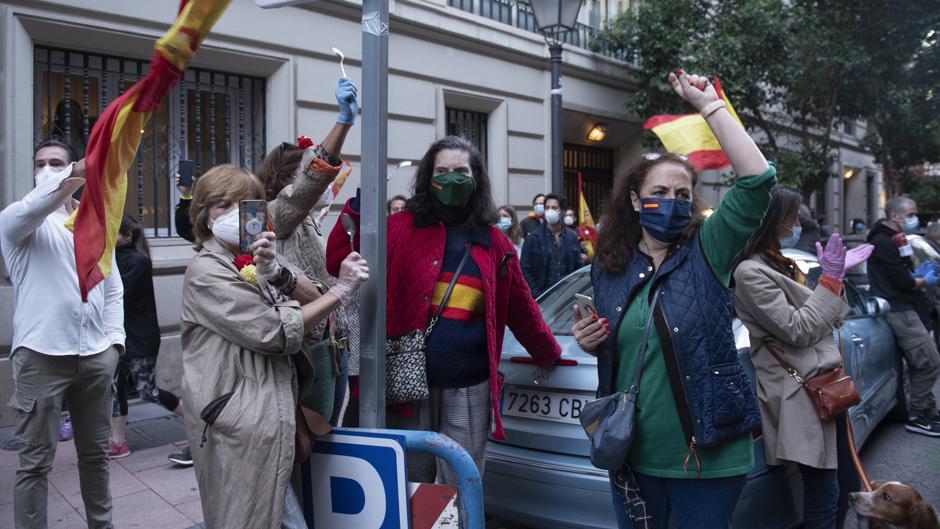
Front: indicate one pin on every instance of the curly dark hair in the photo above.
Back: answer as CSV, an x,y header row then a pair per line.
x,y
279,168
482,210
622,231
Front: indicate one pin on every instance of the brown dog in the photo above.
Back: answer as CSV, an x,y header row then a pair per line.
x,y
894,505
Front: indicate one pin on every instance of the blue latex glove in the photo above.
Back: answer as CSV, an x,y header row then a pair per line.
x,y
346,93
925,269
931,278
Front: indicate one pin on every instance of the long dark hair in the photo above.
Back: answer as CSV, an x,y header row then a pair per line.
x,y
131,228
279,168
482,211
622,231
784,204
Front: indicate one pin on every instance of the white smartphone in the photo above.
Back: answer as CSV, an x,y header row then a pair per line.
x,y
585,302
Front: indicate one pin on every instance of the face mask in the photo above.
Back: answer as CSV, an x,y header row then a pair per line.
x,y
552,216
539,209
665,218
790,242
859,228
504,223
910,224
225,227
569,220
46,174
453,189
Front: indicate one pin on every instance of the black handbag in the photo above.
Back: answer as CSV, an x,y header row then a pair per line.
x,y
406,375
610,421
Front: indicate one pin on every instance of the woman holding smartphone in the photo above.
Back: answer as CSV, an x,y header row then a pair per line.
x,y
239,327
662,266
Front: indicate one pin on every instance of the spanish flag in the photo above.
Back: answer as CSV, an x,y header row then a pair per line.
x,y
115,137
689,135
586,230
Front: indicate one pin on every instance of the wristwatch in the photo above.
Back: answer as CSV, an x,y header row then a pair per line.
x,y
285,281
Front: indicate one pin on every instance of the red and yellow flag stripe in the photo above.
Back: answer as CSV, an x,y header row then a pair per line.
x,y
587,232
113,142
690,135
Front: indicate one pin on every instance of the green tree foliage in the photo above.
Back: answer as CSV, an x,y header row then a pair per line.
x,y
796,69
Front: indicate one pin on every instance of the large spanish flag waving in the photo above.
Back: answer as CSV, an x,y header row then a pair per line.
x,y
586,230
689,134
115,137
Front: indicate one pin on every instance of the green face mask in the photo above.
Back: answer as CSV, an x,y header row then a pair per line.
x,y
453,188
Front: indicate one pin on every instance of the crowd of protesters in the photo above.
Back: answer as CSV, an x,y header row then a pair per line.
x,y
270,332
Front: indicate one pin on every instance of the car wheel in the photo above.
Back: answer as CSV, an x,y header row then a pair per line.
x,y
900,412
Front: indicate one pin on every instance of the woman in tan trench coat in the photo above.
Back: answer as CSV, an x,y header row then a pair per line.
x,y
777,307
238,332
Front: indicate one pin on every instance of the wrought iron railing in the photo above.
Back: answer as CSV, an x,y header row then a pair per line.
x,y
210,117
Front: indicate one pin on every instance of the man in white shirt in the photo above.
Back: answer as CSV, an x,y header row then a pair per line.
x,y
62,347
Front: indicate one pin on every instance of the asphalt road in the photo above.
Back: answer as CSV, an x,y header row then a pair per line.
x,y
891,453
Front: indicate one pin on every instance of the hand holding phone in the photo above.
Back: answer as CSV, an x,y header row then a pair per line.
x,y
252,216
585,302
185,172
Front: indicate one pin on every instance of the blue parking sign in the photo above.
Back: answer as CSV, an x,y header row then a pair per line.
x,y
356,479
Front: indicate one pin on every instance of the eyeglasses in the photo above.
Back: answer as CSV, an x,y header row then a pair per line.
x,y
651,156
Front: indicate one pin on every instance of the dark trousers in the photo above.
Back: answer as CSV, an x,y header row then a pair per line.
x,y
694,503
826,491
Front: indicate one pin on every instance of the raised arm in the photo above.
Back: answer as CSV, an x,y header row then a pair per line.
x,y
20,219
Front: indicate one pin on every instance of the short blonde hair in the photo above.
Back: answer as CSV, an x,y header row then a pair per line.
x,y
222,183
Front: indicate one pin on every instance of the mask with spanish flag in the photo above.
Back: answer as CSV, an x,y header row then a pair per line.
x,y
453,189
665,218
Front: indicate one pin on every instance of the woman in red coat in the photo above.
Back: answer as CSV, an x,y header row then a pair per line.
x,y
452,212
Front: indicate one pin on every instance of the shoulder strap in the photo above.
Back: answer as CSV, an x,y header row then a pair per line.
x,y
646,338
450,290
783,363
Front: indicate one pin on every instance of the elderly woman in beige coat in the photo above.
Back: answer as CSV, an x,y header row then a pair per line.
x,y
773,301
239,328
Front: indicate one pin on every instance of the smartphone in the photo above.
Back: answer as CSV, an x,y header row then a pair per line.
x,y
186,173
252,216
585,302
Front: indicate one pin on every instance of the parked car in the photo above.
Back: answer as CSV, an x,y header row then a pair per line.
x,y
541,475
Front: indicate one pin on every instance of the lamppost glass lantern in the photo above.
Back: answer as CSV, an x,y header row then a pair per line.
x,y
554,18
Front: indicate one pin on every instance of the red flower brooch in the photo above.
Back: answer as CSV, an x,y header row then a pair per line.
x,y
246,268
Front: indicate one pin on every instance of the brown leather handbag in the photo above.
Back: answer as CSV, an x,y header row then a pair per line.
x,y
831,393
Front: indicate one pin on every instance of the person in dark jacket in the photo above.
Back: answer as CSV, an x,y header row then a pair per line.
x,y
552,251
660,260
184,226
534,220
138,364
893,277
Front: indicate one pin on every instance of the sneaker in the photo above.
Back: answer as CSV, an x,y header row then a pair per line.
x,y
924,425
65,430
184,458
116,451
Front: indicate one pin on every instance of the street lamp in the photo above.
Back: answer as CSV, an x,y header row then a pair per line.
x,y
555,18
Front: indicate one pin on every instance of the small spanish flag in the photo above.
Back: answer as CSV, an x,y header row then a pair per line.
x,y
113,142
586,230
690,135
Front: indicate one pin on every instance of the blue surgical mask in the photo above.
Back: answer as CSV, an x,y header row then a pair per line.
x,y
539,209
911,224
504,223
790,242
665,218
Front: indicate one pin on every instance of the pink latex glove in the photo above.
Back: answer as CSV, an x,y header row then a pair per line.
x,y
832,259
857,256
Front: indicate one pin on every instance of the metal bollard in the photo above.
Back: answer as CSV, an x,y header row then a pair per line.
x,y
470,486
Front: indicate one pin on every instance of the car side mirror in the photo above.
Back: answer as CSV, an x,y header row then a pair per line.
x,y
878,306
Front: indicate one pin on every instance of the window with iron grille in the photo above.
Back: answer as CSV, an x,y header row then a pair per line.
x,y
596,166
471,125
209,117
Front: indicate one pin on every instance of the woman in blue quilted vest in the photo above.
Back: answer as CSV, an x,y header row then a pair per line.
x,y
662,264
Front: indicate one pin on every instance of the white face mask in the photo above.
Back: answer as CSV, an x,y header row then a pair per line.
x,y
552,216
569,220
504,223
226,227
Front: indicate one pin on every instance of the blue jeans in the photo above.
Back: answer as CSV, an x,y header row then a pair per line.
x,y
826,491
693,503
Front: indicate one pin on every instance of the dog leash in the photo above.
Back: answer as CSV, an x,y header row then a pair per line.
x,y
856,460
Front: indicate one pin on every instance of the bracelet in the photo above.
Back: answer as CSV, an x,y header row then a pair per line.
x,y
324,155
185,197
712,107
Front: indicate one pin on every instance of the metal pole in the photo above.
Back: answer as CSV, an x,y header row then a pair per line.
x,y
558,171
372,226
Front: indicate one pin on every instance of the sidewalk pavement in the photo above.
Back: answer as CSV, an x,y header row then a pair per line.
x,y
146,489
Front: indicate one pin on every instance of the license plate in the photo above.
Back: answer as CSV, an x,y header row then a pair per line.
x,y
546,405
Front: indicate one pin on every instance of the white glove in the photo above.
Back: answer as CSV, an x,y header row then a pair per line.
x,y
265,256
352,274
